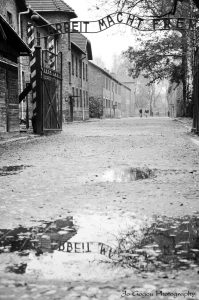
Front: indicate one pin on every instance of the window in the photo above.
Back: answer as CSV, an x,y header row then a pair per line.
x,y
86,99
83,71
77,99
86,72
69,70
116,88
112,86
73,92
80,98
106,83
76,66
45,43
21,24
80,68
9,18
72,64
23,79
46,47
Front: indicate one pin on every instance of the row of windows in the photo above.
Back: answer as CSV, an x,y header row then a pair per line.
x,y
80,97
111,104
112,86
79,68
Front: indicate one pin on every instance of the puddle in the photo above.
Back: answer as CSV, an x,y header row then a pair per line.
x,y
167,244
12,170
98,246
44,238
127,174
73,248
124,173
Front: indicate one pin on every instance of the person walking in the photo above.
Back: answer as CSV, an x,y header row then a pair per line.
x,y
146,112
140,112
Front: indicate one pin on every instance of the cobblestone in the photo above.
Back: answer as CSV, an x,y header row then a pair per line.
x,y
63,178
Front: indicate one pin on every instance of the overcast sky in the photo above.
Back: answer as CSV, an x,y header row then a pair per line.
x,y
107,43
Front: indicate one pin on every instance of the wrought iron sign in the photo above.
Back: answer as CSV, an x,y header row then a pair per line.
x,y
134,21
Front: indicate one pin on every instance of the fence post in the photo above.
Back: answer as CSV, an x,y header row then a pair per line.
x,y
39,96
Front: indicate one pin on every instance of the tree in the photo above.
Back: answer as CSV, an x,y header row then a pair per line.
x,y
157,58
160,58
95,107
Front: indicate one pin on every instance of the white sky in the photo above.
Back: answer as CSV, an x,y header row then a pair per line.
x,y
107,43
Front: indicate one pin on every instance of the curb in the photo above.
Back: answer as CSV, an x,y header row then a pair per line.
x,y
21,138
183,123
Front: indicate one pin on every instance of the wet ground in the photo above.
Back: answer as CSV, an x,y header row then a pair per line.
x,y
104,210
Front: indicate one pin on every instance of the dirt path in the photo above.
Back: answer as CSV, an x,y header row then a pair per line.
x,y
108,176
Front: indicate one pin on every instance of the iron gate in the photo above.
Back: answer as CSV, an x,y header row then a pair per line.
x,y
48,91
196,93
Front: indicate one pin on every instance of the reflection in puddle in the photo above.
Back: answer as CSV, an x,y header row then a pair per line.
x,y
17,268
127,174
44,238
167,244
57,250
12,170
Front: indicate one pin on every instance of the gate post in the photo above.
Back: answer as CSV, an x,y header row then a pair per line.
x,y
39,97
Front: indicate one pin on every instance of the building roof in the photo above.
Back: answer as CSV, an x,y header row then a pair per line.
x,y
51,5
9,36
41,21
80,41
108,75
77,47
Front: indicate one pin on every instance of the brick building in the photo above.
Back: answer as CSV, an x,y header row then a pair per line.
x,y
105,88
36,37
11,48
81,52
56,11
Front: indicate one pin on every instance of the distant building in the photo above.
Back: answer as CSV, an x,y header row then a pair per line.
x,y
81,52
11,48
105,88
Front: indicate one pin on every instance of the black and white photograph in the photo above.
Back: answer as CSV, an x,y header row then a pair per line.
x,y
99,149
